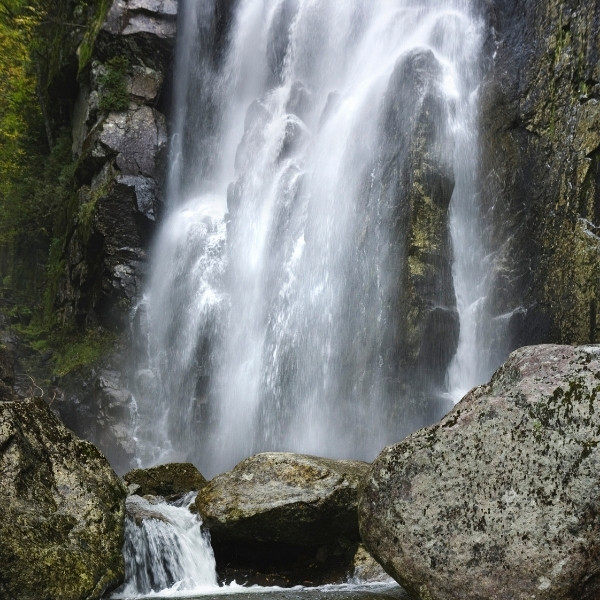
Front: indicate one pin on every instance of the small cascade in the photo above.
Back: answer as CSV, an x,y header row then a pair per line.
x,y
165,549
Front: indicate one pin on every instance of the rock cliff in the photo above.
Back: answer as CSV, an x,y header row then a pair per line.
x,y
119,140
540,169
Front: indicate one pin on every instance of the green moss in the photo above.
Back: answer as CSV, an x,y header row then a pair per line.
x,y
79,352
71,349
54,271
113,85
85,218
84,52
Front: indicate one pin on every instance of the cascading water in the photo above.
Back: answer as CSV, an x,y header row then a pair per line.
x,y
165,548
303,292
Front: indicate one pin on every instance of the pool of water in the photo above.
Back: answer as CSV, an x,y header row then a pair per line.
x,y
385,591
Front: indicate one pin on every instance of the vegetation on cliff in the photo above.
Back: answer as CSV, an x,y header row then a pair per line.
x,y
38,85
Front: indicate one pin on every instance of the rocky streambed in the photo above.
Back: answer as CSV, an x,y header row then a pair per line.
x,y
498,501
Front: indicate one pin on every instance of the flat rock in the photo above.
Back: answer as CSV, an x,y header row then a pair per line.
x,y
61,510
501,499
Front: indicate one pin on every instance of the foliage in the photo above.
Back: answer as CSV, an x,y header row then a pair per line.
x,y
113,85
70,349
38,200
20,121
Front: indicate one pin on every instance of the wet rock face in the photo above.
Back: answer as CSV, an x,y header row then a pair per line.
x,y
284,515
500,499
540,168
173,479
61,510
417,181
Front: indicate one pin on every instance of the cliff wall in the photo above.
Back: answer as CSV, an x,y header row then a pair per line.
x,y
540,171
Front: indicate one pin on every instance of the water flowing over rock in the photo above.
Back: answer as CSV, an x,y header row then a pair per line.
x,y
98,406
302,294
500,499
61,510
287,518
165,548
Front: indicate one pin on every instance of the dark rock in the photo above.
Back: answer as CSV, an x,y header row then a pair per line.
x,y
145,194
121,162
284,515
142,30
7,374
99,408
500,499
106,261
146,84
417,184
7,366
172,479
61,510
403,218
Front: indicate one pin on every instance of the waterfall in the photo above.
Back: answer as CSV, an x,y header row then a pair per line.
x,y
165,549
307,289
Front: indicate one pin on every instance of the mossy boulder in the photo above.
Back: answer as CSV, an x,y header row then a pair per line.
x,y
284,518
62,510
500,499
173,479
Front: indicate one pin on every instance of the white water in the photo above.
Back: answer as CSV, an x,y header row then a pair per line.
x,y
166,550
271,316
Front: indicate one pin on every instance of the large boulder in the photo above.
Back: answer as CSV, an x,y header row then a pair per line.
x,y
173,479
61,510
286,513
501,498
